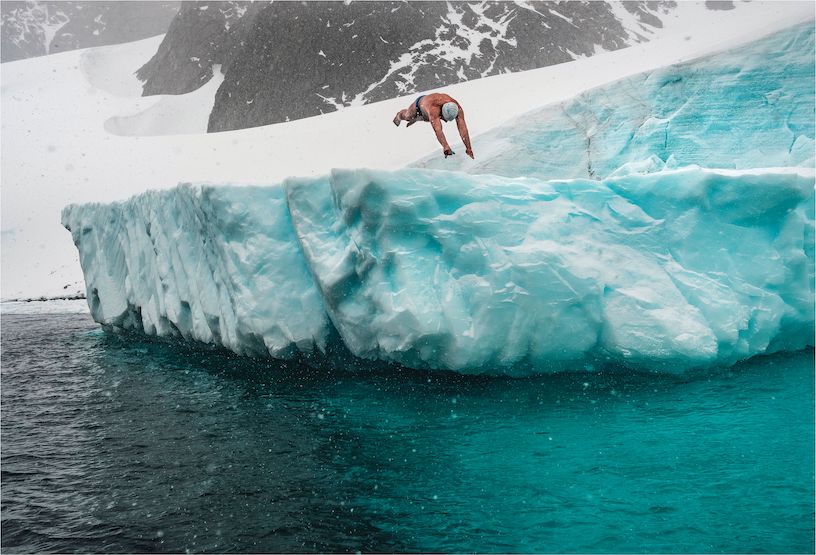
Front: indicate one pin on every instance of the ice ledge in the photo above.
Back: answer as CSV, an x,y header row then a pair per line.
x,y
473,273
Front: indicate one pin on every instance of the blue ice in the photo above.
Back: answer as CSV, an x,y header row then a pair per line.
x,y
746,108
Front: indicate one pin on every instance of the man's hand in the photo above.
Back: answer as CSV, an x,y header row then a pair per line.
x,y
448,152
469,152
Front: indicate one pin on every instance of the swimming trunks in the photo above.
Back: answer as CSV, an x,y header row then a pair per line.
x,y
419,111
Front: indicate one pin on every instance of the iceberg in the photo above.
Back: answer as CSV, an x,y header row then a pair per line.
x,y
473,273
447,270
218,265
663,222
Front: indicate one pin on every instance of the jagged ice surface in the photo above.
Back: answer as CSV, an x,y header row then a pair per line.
x,y
215,264
473,273
640,257
470,272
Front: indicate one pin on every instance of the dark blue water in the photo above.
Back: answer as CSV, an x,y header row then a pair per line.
x,y
123,445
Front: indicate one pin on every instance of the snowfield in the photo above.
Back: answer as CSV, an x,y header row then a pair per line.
x,y
74,130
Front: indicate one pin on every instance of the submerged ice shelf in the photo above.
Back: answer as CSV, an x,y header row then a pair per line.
x,y
665,221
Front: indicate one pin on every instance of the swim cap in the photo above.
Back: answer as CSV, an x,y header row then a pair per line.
x,y
449,111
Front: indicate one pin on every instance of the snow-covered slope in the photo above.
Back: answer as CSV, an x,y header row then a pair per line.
x,y
56,149
660,268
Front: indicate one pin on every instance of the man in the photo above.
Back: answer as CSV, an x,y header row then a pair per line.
x,y
434,108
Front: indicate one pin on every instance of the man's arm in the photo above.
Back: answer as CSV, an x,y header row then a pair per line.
x,y
463,131
440,136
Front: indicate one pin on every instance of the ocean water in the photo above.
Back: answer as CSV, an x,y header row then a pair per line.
x,y
113,444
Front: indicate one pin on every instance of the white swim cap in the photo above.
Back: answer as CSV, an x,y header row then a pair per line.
x,y
449,111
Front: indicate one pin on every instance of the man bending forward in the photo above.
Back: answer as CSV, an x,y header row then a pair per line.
x,y
435,108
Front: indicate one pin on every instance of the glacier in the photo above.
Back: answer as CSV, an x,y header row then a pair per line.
x,y
663,222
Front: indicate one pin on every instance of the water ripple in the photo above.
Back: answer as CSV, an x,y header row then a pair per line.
x,y
116,444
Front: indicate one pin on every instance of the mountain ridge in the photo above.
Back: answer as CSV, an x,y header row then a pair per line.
x,y
285,60
36,28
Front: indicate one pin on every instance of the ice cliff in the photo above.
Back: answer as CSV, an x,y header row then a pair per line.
x,y
632,254
474,273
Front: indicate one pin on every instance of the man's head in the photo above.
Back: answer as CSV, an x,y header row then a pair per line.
x,y
449,111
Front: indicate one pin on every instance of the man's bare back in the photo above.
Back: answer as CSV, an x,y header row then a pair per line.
x,y
430,108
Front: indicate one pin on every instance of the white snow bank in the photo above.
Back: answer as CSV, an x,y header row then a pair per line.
x,y
112,69
171,114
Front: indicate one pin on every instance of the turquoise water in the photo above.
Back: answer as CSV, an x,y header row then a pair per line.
x,y
126,445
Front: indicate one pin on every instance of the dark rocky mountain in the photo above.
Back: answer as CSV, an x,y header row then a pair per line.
x,y
35,28
290,60
300,61
201,35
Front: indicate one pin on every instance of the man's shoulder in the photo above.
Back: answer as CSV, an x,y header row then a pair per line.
x,y
439,98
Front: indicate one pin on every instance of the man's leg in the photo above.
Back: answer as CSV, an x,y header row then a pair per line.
x,y
402,115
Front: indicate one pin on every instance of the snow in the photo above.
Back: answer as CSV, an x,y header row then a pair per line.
x,y
474,273
56,149
51,25
634,28
107,68
171,114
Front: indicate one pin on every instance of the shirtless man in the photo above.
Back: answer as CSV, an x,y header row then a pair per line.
x,y
434,108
